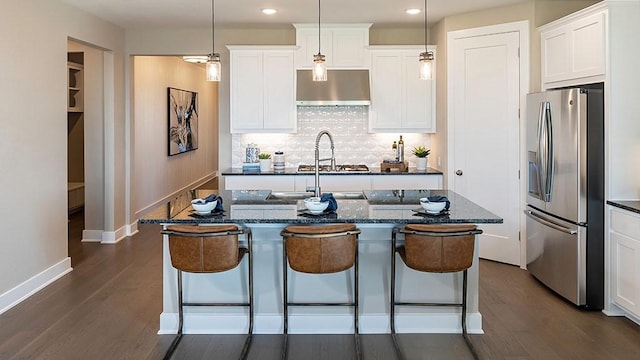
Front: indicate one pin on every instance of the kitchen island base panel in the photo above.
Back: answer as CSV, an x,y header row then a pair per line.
x,y
374,249
413,323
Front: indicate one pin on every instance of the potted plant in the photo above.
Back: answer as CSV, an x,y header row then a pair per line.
x,y
421,153
265,161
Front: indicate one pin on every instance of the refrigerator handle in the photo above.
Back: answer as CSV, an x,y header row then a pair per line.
x,y
541,153
549,223
550,170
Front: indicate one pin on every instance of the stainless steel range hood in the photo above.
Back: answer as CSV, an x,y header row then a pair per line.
x,y
343,87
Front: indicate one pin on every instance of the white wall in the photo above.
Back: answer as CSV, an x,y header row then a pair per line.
x,y
157,176
33,137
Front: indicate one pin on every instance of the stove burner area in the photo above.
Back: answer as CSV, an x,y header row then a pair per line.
x,y
346,168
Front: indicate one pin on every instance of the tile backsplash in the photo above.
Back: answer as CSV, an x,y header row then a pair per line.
x,y
348,126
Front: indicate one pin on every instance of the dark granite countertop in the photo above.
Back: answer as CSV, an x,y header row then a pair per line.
x,y
380,206
630,205
294,171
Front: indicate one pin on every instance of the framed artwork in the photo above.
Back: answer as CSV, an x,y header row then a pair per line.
x,y
183,120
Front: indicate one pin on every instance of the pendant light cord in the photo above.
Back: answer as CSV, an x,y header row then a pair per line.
x,y
425,25
213,31
319,27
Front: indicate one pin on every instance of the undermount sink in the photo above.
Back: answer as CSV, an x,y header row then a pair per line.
x,y
303,195
345,168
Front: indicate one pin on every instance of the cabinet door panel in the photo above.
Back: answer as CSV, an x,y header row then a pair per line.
x,y
309,47
348,48
279,95
626,281
555,48
588,46
386,88
246,91
417,96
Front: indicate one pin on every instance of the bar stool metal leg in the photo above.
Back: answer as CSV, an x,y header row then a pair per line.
x,y
392,309
285,297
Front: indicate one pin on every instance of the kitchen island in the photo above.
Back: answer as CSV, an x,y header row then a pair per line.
x,y
266,214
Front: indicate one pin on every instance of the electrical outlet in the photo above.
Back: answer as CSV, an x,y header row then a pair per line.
x,y
439,161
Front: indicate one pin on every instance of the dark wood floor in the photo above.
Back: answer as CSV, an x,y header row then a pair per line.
x,y
108,307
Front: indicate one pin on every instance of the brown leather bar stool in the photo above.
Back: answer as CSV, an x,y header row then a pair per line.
x,y
320,249
208,249
434,249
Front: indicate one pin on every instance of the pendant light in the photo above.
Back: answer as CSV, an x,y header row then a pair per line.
x,y
319,65
214,67
426,57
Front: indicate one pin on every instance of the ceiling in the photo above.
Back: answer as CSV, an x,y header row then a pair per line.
x,y
132,14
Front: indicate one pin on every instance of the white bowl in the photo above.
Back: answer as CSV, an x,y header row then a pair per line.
x,y
203,208
315,205
432,206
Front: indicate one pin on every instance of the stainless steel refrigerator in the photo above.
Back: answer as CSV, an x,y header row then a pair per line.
x,y
565,197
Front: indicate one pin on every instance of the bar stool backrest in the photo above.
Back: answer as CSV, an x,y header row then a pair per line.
x,y
201,249
443,249
321,249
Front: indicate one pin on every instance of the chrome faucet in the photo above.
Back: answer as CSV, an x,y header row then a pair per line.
x,y
316,188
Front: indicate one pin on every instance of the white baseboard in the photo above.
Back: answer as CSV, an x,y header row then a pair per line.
x,y
132,229
21,292
114,237
440,323
110,237
92,235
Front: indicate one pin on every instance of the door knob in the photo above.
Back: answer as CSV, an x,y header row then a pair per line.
x,y
459,172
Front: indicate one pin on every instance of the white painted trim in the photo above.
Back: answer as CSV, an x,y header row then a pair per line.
x,y
21,292
132,228
440,323
114,237
522,27
91,235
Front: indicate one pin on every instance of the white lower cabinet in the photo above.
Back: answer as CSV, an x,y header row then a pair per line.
x,y
257,182
625,260
332,182
406,182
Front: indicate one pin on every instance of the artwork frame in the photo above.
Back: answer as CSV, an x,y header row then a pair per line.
x,y
182,121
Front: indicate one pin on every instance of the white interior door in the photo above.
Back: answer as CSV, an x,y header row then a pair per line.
x,y
484,139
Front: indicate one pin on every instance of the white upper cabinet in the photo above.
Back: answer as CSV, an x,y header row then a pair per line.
x,y
400,101
343,45
574,48
262,89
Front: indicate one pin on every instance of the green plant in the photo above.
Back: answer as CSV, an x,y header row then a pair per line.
x,y
420,151
264,156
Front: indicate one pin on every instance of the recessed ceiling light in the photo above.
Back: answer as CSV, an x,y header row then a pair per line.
x,y
269,11
413,11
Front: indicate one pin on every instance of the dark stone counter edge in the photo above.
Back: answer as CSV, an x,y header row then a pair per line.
x,y
303,220
629,205
294,171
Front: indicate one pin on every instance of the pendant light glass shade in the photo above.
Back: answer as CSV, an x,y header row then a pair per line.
x,y
319,68
426,65
214,67
426,57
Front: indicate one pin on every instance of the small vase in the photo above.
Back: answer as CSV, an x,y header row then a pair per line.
x,y
421,164
265,165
